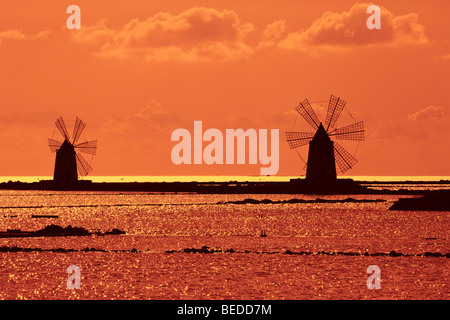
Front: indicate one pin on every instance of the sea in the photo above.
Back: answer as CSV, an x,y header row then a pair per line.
x,y
223,247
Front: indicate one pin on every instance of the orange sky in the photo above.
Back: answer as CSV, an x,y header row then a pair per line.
x,y
137,70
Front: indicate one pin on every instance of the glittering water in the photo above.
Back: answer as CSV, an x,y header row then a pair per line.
x,y
312,250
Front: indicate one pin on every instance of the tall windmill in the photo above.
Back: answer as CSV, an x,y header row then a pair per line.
x,y
325,154
69,161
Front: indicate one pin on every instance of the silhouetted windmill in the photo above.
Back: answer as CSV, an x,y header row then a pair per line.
x,y
68,158
324,153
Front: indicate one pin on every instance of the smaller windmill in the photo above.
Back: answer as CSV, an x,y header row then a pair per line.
x,y
69,160
325,154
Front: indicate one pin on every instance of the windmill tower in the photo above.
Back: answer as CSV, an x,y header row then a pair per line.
x,y
325,154
69,161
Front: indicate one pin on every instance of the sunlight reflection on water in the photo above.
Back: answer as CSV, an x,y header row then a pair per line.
x,y
155,224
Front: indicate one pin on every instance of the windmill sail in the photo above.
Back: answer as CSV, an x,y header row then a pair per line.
x,y
78,130
351,132
82,165
89,147
54,145
62,128
307,112
335,107
298,139
343,158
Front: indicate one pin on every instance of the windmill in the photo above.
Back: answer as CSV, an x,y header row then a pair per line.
x,y
69,160
325,154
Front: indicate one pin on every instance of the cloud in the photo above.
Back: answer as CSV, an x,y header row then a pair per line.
x,y
273,33
12,34
192,35
207,34
43,34
427,113
429,123
93,35
348,29
444,56
150,123
15,34
154,117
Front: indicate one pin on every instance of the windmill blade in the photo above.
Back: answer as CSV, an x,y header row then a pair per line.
x,y
78,129
89,147
54,145
351,132
82,165
62,128
343,158
298,139
307,112
335,107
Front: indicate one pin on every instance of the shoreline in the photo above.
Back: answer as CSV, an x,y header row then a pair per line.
x,y
294,186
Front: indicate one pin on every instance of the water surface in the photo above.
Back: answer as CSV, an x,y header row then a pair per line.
x,y
150,260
